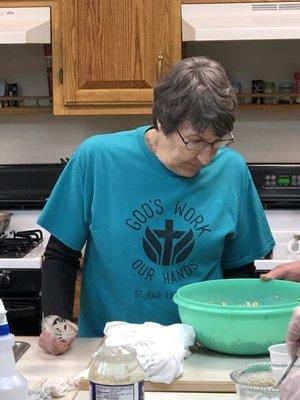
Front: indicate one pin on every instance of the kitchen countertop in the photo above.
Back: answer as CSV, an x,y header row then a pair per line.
x,y
84,395
205,371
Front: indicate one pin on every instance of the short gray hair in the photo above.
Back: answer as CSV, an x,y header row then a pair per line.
x,y
197,90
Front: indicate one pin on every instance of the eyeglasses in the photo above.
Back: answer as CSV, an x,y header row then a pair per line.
x,y
200,144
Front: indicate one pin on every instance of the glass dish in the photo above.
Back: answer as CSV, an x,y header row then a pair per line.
x,y
255,382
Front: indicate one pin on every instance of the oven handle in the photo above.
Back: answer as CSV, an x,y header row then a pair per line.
x,y
21,312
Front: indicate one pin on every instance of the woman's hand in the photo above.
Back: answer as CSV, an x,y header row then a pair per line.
x,y
50,344
290,387
289,271
293,335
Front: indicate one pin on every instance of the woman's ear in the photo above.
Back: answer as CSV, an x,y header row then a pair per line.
x,y
158,125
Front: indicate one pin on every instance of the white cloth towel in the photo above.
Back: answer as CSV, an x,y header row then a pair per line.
x,y
160,349
39,394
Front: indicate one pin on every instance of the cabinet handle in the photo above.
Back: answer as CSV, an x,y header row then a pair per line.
x,y
159,65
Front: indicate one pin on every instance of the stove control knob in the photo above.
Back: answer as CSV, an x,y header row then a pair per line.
x,y
4,279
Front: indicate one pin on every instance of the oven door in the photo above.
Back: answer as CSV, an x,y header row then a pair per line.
x,y
20,282
24,315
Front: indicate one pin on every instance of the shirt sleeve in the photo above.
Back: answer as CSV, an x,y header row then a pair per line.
x,y
59,271
67,212
252,238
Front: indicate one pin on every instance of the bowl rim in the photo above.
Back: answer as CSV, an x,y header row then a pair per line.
x,y
222,309
214,306
265,389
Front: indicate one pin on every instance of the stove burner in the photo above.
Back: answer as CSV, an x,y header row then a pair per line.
x,y
20,244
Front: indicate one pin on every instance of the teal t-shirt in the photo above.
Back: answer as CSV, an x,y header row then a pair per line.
x,y
149,231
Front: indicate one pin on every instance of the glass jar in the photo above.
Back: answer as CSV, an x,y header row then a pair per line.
x,y
269,87
116,374
237,87
297,85
257,87
286,87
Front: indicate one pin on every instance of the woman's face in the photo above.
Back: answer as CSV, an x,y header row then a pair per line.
x,y
172,152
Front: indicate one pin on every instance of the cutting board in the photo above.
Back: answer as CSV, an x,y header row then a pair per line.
x,y
83,395
181,386
204,371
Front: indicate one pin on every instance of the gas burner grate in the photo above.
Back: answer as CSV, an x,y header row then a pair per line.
x,y
20,243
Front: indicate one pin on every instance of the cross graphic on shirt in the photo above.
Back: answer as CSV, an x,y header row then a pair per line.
x,y
168,234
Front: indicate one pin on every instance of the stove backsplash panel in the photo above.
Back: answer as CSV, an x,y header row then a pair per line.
x,y
27,186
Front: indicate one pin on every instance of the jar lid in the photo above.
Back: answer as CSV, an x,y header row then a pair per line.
x,y
116,351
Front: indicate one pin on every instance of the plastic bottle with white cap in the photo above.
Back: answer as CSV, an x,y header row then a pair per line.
x,y
13,386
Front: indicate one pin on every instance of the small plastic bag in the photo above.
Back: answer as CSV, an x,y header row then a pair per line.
x,y
61,328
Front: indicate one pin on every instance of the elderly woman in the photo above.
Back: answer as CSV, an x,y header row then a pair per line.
x,y
158,207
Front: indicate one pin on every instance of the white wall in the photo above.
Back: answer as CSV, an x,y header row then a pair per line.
x,y
262,136
43,138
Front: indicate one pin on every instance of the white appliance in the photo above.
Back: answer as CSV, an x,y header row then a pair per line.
x,y
24,190
285,226
32,244
241,21
278,186
25,25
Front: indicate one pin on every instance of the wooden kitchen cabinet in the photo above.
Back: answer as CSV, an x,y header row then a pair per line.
x,y
233,1
108,54
113,52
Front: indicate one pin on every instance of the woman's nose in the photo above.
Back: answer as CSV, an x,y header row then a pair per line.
x,y
206,155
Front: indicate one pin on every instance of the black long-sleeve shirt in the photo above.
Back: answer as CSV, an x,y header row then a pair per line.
x,y
59,270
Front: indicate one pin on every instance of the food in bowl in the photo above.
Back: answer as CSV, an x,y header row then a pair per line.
x,y
255,382
247,304
246,315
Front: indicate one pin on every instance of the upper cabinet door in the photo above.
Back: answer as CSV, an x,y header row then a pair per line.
x,y
114,51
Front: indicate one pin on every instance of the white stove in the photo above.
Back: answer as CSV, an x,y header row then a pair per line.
x,y
24,189
25,220
278,186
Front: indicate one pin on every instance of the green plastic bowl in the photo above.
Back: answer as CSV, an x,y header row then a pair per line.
x,y
238,316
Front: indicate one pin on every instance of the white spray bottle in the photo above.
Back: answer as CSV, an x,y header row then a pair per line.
x,y
12,385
